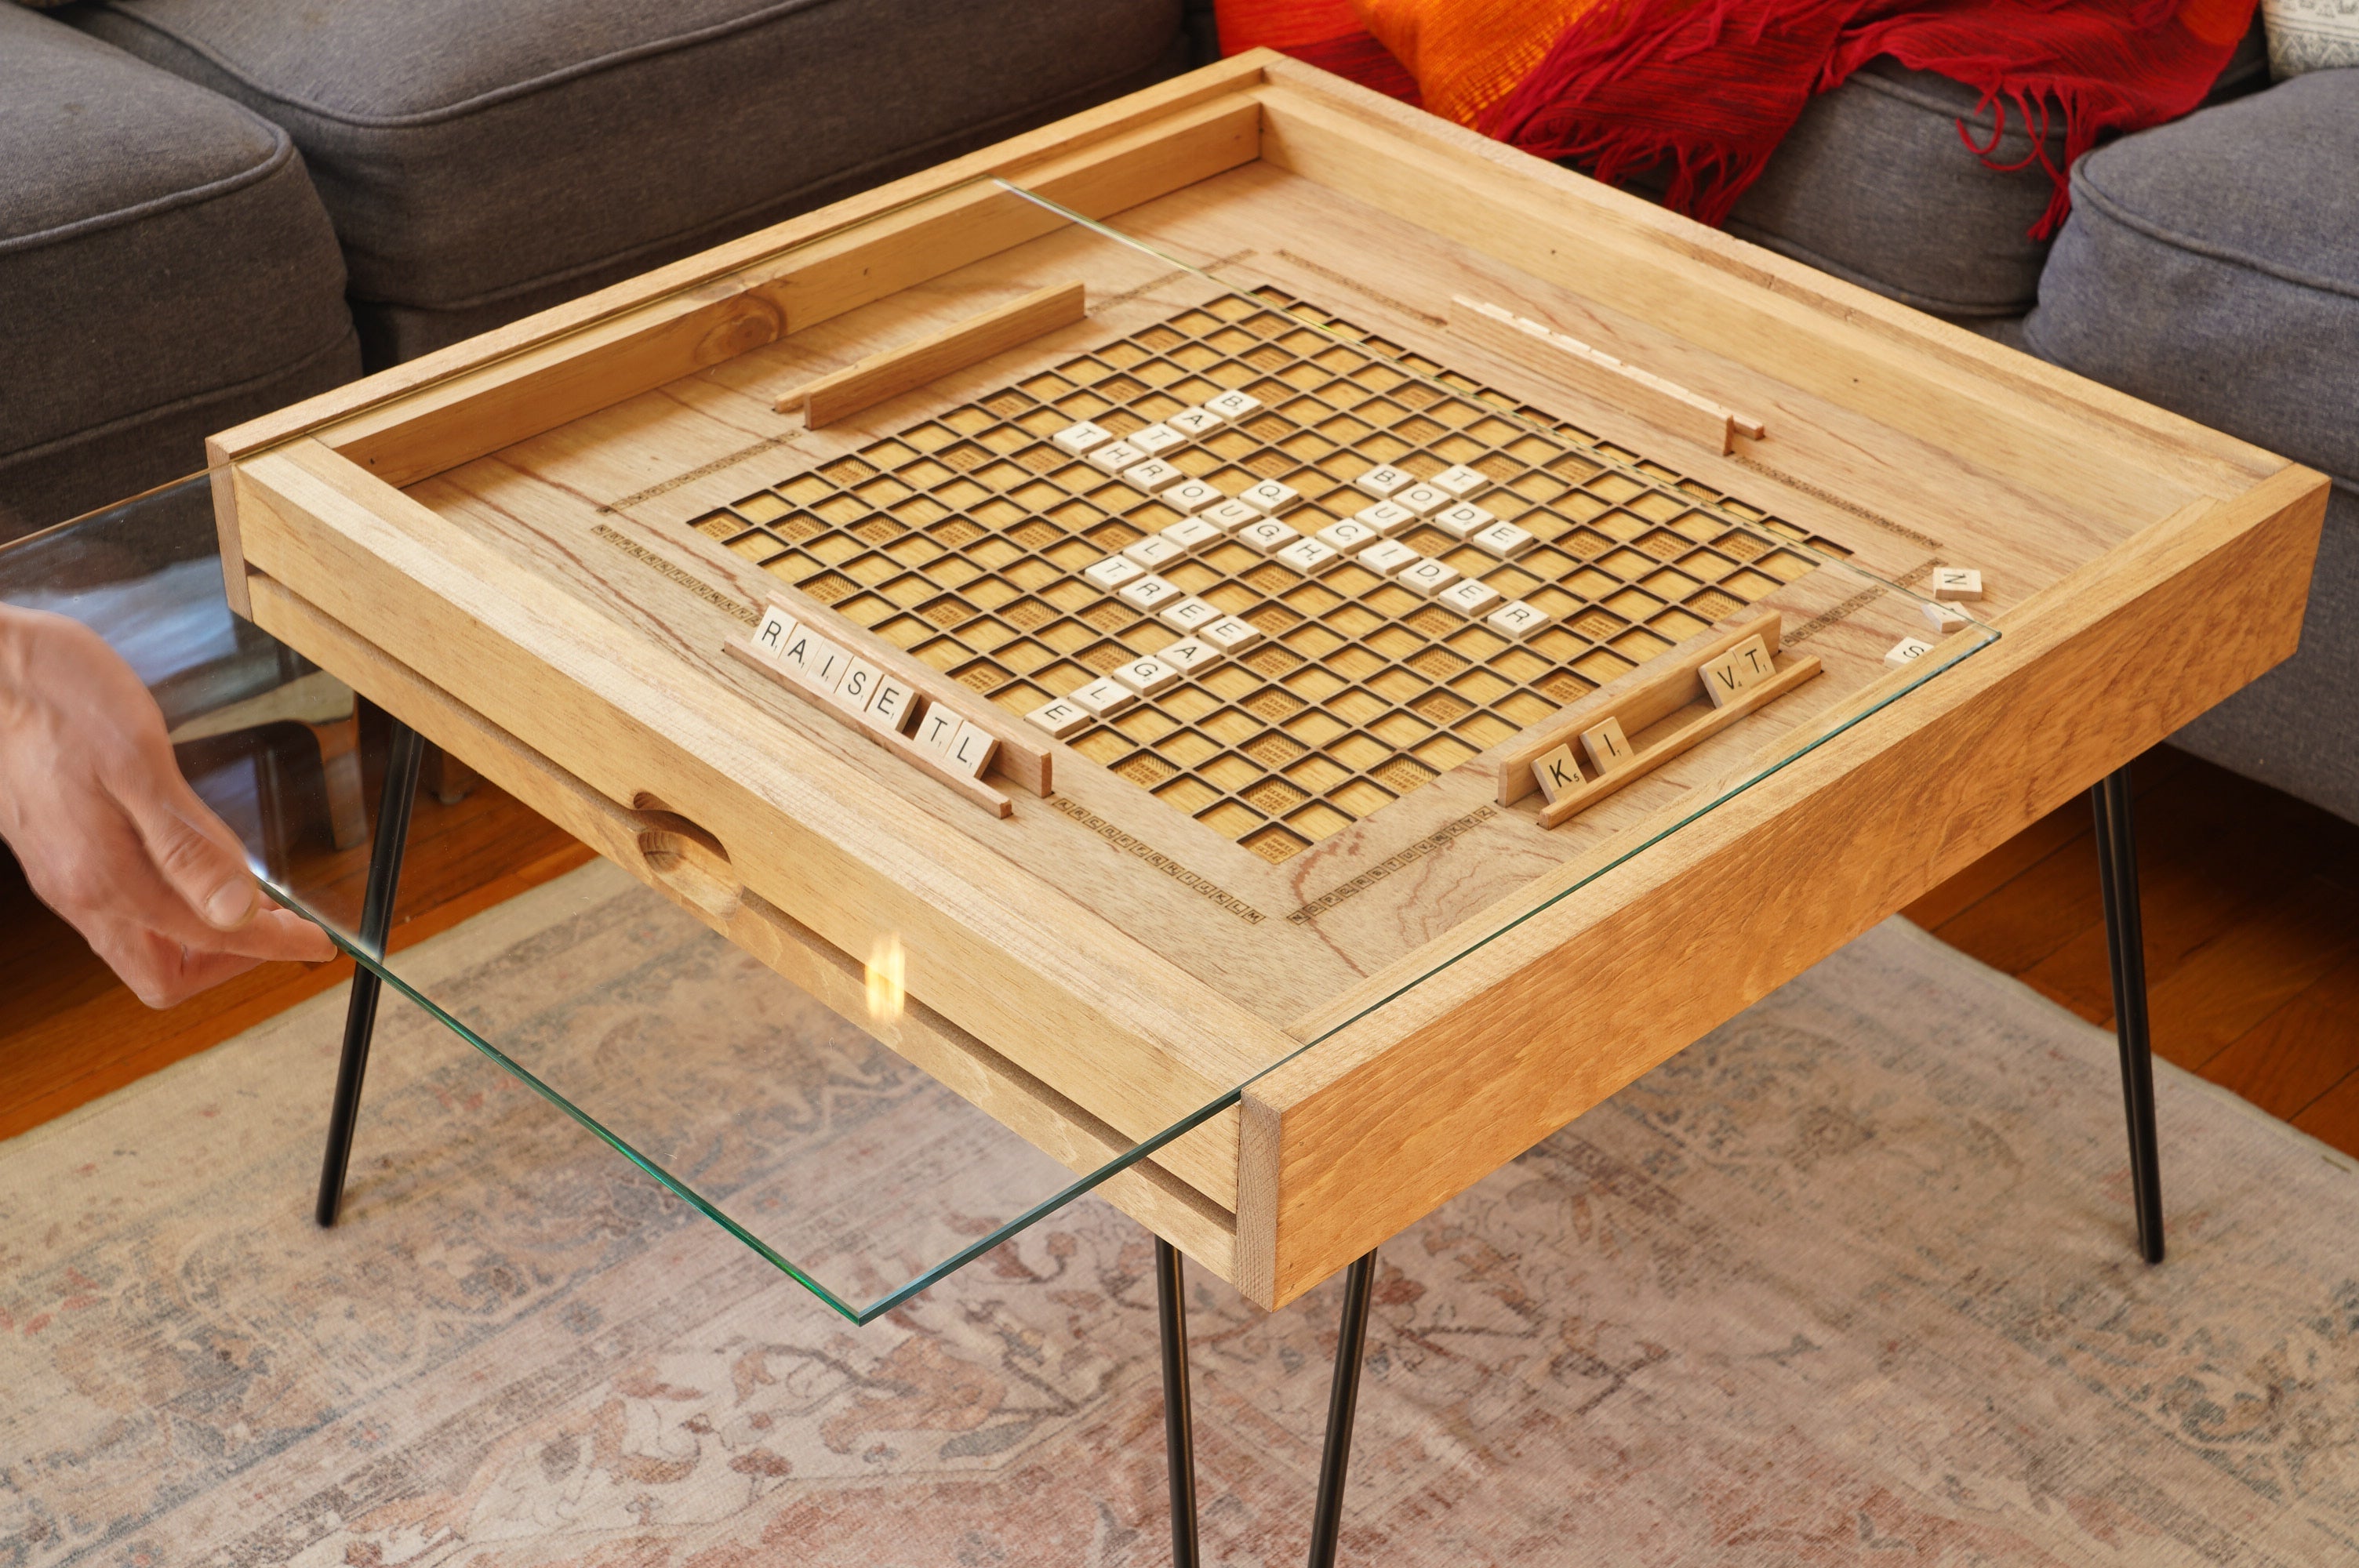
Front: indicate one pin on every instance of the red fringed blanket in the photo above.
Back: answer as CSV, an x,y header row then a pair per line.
x,y
1704,89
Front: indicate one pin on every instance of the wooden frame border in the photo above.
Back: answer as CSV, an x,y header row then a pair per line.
x,y
1339,1147
646,844
1556,1013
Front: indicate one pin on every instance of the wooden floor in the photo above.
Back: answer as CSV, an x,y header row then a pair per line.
x,y
70,1033
2252,930
2252,933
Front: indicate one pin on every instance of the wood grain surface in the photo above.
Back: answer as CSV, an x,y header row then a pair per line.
x,y
1472,979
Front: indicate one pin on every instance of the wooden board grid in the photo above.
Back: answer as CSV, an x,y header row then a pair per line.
x,y
2142,569
961,537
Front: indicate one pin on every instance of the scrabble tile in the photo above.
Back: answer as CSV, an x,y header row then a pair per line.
x,y
1193,495
970,750
1348,537
1957,582
1115,455
1151,552
1232,404
1386,518
1229,516
1942,617
1156,440
1504,540
1231,635
1469,597
1388,557
1746,665
1269,536
1269,496
824,666
1189,654
1422,499
858,685
770,632
892,706
1189,533
1906,651
1383,479
1309,557
1152,475
1516,619
1081,438
1189,615
794,656
1102,698
1458,480
1556,773
1426,576
937,725
1608,748
1149,593
1462,520
1146,677
1113,572
1059,717
1192,422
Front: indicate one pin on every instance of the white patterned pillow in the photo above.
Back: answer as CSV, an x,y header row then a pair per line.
x,y
2310,34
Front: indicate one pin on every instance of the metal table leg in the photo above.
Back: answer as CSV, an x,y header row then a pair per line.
x,y
2125,943
377,919
1179,1428
1343,1404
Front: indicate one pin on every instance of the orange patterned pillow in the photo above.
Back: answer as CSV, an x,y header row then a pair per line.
x,y
1466,56
1324,33
1458,56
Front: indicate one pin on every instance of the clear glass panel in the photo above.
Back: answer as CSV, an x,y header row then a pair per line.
x,y
844,1165
1357,726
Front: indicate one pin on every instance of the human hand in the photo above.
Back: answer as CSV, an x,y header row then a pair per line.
x,y
110,834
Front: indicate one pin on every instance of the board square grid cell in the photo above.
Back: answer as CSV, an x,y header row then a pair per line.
x,y
961,538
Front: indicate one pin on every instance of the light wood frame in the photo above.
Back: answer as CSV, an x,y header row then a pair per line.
x,y
1408,1098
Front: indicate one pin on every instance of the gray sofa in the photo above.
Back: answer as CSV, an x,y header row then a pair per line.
x,y
2209,265
210,208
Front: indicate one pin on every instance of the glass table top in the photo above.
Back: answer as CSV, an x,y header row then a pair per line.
x,y
841,1164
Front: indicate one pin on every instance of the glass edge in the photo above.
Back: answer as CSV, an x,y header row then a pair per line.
x,y
859,1316
97,514
375,965
1146,1148
1976,637
1743,780
1197,270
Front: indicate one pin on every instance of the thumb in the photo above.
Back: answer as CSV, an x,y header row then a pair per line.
x,y
205,868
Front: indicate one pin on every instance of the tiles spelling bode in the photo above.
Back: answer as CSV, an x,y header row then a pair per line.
x,y
893,708
1275,609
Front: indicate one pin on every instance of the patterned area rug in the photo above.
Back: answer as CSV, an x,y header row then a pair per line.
x,y
1848,1282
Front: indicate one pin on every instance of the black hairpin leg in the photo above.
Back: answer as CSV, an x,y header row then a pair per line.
x,y
377,919
1179,1428
1343,1403
2126,942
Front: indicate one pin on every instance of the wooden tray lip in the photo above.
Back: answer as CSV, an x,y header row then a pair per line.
x,y
1249,77
712,277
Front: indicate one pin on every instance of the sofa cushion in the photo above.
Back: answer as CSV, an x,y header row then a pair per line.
x,y
2213,267
1874,185
166,269
482,161
2296,727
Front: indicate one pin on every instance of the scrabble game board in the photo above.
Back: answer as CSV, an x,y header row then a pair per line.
x,y
1286,904
1193,554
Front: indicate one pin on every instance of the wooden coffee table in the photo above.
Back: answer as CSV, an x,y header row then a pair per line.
x,y
1212,609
